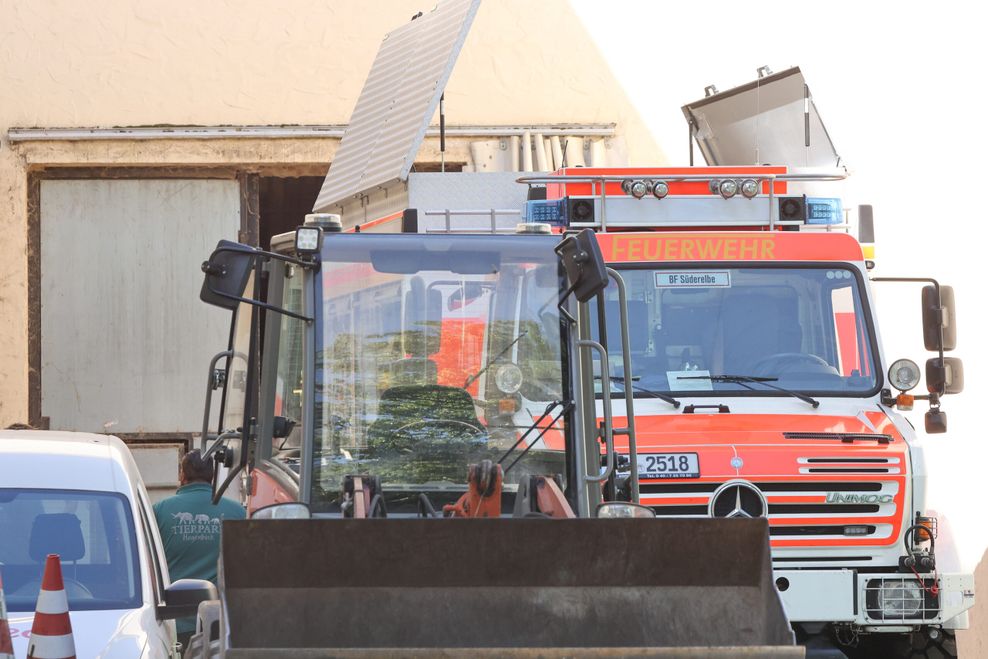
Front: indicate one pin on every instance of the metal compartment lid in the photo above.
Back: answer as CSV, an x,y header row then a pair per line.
x,y
770,121
397,102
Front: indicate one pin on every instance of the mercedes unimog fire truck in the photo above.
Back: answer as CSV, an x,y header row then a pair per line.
x,y
761,390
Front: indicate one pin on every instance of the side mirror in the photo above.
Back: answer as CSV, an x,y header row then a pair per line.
x,y
939,315
227,272
584,264
183,597
291,510
945,376
936,421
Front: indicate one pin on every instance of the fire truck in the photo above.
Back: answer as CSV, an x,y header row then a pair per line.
x,y
761,390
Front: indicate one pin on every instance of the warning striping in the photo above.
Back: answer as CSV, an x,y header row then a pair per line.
x,y
699,279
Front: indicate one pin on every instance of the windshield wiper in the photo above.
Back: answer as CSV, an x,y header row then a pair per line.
x,y
743,380
654,394
473,378
535,424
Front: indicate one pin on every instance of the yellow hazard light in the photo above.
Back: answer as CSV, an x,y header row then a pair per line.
x,y
929,528
868,251
904,402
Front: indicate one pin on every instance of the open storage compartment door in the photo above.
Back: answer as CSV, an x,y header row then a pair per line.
x,y
770,121
398,100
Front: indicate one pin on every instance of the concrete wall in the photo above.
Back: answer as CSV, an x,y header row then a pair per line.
x,y
142,62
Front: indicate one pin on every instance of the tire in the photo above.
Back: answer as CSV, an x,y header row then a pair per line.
x,y
917,645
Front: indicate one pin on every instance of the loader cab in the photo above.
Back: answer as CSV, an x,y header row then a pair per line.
x,y
405,359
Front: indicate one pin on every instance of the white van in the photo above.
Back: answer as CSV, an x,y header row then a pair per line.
x,y
80,495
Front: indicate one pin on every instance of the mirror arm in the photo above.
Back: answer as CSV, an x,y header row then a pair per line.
x,y
311,265
923,280
562,303
258,303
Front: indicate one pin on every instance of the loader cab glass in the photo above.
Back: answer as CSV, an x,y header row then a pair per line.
x,y
433,356
801,328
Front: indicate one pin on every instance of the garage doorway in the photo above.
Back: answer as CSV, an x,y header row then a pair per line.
x,y
284,202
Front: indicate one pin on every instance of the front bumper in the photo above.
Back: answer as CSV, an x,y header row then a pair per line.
x,y
847,596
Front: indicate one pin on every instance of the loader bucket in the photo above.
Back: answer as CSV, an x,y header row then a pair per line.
x,y
503,584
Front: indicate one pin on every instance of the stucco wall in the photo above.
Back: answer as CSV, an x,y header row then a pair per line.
x,y
141,62
973,642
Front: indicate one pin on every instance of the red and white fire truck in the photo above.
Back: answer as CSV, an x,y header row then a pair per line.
x,y
761,389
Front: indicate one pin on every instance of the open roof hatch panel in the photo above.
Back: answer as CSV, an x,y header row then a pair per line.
x,y
397,102
771,121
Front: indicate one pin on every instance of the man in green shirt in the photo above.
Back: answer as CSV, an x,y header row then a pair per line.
x,y
190,528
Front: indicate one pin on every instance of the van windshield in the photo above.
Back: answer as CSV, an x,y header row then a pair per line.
x,y
435,354
93,534
801,328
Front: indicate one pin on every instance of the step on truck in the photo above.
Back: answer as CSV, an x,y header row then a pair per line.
x,y
414,427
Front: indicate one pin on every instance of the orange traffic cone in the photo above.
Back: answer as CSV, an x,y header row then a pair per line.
x,y
51,633
6,645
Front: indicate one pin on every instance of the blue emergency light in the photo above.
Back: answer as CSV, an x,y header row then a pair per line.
x,y
824,210
548,211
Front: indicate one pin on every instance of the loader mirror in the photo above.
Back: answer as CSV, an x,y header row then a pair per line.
x,y
227,272
183,597
584,264
939,315
945,376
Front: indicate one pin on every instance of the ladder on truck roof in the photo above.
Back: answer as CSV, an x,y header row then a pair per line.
x,y
721,198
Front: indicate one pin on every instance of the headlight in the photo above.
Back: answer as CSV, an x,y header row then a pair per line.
x,y
901,598
904,374
623,510
508,378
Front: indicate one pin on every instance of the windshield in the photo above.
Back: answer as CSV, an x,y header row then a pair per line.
x,y
92,532
436,352
802,328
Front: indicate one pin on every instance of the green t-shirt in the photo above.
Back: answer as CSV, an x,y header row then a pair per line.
x,y
190,530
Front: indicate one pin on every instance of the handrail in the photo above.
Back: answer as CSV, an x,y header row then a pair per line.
x,y
493,213
607,178
210,388
629,396
605,389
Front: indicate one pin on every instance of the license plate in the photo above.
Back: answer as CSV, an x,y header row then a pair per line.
x,y
668,465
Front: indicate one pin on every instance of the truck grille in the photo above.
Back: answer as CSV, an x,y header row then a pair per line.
x,y
797,510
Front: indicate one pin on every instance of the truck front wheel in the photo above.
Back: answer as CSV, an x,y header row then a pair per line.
x,y
933,643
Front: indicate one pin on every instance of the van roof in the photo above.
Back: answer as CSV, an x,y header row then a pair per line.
x,y
66,460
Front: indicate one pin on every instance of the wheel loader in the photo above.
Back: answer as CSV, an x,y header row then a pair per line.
x,y
411,420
